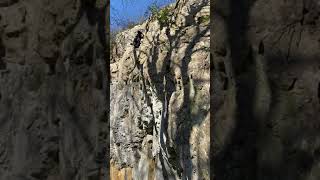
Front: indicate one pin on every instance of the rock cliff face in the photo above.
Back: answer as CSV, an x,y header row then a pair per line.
x,y
52,95
159,114
266,74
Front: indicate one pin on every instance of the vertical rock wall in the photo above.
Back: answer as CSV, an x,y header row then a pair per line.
x,y
160,97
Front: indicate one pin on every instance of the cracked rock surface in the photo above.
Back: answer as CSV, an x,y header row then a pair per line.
x,y
159,114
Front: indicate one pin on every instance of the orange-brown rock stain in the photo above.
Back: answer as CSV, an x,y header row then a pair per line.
x,y
152,168
120,174
126,173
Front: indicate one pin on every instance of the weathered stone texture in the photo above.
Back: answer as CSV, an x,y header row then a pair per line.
x,y
160,96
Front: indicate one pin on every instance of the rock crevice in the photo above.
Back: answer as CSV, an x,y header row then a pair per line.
x,y
159,96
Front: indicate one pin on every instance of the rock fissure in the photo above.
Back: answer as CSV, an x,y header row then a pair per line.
x,y
169,110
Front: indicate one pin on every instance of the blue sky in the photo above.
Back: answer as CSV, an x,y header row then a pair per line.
x,y
131,10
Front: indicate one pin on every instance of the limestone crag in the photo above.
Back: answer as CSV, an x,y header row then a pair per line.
x,y
159,114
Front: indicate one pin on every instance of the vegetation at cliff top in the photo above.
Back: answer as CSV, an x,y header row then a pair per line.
x,y
125,14
155,10
161,14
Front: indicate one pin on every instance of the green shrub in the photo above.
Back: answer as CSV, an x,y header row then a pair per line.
x,y
154,9
204,19
162,15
